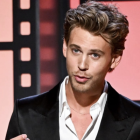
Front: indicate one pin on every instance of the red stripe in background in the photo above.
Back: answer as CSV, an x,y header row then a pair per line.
x,y
74,3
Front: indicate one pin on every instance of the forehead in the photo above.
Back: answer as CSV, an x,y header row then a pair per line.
x,y
86,39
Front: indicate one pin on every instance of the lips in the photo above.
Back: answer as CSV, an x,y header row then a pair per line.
x,y
81,79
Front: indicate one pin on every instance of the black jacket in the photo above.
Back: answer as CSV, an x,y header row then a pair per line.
x,y
38,117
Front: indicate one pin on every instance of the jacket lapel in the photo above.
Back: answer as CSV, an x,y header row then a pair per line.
x,y
116,122
45,117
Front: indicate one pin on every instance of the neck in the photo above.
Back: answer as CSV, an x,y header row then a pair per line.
x,y
82,101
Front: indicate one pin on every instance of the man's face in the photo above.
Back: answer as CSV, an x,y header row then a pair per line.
x,y
88,59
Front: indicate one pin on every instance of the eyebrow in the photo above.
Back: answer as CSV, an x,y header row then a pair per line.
x,y
74,45
92,50
97,51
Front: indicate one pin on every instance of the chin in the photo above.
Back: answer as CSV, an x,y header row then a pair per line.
x,y
79,87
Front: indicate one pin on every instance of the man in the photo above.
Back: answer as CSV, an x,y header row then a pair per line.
x,y
84,106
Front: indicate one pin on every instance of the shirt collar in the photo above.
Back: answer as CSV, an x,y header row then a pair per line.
x,y
102,97
62,95
63,100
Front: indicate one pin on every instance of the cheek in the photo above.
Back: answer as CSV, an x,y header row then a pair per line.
x,y
101,66
71,59
70,62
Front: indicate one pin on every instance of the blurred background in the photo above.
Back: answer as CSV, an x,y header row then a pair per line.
x,y
31,60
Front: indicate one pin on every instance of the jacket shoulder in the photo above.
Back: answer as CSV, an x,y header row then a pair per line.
x,y
46,99
31,100
118,103
131,106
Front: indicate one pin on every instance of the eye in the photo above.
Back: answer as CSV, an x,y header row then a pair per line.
x,y
95,55
75,51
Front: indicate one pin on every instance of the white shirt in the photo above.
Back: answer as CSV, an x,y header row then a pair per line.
x,y
66,126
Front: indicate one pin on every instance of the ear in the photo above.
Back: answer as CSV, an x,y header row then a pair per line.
x,y
115,61
64,48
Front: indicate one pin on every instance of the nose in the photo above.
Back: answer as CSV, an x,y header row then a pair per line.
x,y
83,63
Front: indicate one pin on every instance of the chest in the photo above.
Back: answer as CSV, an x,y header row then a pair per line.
x,y
81,123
